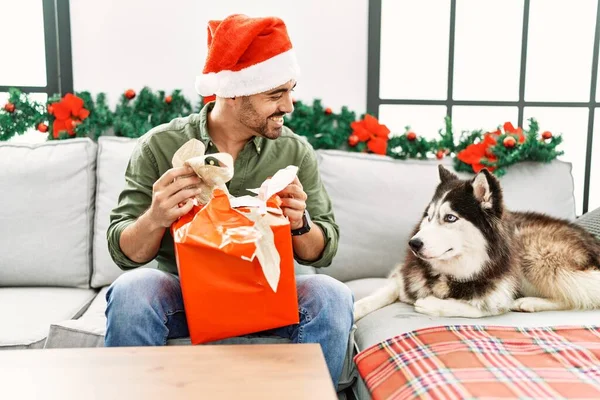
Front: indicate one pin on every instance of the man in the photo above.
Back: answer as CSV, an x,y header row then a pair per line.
x,y
251,69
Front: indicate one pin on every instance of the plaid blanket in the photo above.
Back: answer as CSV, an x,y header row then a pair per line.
x,y
485,362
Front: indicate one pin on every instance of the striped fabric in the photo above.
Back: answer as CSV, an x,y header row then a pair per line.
x,y
485,362
590,222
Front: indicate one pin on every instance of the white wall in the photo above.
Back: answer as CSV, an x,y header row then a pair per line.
x,y
124,44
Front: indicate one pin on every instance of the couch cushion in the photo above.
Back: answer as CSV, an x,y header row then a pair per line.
x,y
86,331
377,201
89,329
46,212
398,318
28,312
590,221
113,157
364,287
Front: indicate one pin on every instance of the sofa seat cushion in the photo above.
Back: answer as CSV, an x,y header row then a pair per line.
x,y
89,329
28,313
398,318
85,331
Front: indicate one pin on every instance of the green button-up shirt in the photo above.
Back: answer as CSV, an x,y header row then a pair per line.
x,y
259,159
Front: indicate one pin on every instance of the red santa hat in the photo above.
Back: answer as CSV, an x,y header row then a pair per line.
x,y
247,56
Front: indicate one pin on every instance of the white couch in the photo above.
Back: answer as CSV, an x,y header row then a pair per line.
x,y
55,268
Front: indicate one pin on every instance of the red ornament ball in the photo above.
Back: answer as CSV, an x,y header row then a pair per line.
x,y
10,107
328,111
440,154
50,109
130,94
547,135
42,127
353,140
168,99
411,136
509,142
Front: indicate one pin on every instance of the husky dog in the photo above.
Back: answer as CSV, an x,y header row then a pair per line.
x,y
470,257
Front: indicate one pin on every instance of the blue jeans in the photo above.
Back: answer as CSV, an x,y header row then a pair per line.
x,y
145,308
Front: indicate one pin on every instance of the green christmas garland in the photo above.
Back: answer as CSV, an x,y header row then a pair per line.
x,y
323,128
20,114
471,152
134,118
79,114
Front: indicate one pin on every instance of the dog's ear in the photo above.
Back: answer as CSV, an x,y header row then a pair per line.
x,y
445,175
486,190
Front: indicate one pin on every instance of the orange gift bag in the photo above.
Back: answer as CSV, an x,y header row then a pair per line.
x,y
234,255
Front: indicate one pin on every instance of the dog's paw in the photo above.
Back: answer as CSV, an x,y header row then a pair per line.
x,y
533,304
433,306
525,304
361,309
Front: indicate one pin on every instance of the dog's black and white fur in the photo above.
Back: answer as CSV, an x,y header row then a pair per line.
x,y
470,257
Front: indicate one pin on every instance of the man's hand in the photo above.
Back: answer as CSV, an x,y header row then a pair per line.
x,y
293,203
172,196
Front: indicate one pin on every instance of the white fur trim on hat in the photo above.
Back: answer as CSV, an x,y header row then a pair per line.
x,y
255,79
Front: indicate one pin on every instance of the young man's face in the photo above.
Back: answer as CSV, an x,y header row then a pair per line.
x,y
263,112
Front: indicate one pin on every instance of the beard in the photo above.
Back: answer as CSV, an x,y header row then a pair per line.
x,y
250,118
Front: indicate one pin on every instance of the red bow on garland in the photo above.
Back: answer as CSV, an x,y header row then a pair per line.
x,y
482,151
474,154
369,130
68,113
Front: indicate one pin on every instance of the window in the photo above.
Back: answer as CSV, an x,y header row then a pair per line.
x,y
38,53
487,62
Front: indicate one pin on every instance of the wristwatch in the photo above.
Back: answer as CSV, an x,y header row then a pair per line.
x,y
304,228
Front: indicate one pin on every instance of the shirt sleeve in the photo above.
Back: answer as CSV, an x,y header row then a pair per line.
x,y
319,207
134,200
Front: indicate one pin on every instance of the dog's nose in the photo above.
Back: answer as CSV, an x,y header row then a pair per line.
x,y
415,244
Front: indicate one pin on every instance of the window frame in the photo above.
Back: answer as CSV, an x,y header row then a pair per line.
x,y
57,43
373,81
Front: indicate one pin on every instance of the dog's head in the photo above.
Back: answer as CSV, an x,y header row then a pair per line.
x,y
458,222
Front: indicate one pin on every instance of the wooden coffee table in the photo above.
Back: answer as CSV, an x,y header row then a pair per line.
x,y
274,371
